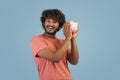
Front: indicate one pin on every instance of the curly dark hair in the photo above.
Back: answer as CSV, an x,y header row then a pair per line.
x,y
53,14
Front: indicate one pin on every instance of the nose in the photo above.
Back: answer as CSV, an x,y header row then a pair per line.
x,y
51,23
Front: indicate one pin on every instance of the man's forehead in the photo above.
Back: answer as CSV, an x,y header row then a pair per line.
x,y
51,19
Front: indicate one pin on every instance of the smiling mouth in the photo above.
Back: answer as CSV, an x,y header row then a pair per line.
x,y
50,27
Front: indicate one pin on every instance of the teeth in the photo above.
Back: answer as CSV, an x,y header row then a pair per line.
x,y
50,27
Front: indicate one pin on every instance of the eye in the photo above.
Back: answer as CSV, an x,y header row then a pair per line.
x,y
47,20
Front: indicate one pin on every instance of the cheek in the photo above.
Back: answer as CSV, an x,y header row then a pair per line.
x,y
45,25
57,25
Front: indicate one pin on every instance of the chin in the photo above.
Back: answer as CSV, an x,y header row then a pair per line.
x,y
51,33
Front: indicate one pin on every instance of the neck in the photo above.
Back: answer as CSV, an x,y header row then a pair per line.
x,y
49,35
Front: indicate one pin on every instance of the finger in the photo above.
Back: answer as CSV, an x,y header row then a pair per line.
x,y
69,26
64,27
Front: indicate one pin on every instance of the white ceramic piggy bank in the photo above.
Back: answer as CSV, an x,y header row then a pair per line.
x,y
74,26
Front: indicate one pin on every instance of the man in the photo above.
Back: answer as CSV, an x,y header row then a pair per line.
x,y
52,54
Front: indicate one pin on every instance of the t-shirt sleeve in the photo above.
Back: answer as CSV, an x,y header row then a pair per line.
x,y
37,44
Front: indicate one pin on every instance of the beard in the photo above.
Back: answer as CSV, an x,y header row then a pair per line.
x,y
51,33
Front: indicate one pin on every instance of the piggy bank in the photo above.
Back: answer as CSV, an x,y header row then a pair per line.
x,y
74,26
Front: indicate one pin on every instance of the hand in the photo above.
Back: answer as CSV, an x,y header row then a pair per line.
x,y
67,30
74,34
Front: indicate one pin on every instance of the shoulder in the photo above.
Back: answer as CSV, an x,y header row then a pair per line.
x,y
37,38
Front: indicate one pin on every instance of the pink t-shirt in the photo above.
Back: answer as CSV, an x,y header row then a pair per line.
x,y
47,69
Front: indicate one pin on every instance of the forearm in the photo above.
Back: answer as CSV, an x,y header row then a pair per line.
x,y
74,52
57,55
61,51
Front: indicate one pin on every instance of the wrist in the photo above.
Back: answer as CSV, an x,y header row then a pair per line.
x,y
68,38
73,39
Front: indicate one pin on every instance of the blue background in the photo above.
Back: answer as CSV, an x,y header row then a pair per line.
x,y
98,41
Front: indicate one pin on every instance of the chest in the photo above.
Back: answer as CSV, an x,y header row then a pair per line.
x,y
54,44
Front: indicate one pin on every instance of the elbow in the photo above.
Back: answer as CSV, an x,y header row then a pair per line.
x,y
75,62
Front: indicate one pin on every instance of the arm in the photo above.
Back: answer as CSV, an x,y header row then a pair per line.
x,y
54,56
57,55
73,54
